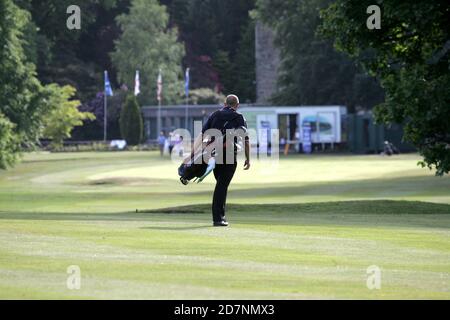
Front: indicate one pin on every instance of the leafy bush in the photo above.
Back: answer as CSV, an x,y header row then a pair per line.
x,y
98,147
9,143
63,115
91,147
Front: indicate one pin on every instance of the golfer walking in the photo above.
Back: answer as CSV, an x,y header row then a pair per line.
x,y
228,118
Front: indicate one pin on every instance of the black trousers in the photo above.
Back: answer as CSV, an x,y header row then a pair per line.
x,y
224,174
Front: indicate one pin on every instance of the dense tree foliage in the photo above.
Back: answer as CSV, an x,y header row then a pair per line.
x,y
74,57
78,57
312,71
131,124
411,56
40,56
22,102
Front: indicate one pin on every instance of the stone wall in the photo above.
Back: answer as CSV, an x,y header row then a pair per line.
x,y
267,63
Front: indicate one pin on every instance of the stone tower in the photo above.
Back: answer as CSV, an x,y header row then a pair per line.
x,y
267,63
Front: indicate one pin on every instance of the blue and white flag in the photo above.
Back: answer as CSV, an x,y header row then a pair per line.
x,y
108,89
137,84
186,83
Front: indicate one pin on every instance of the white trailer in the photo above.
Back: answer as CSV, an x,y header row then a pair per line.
x,y
325,121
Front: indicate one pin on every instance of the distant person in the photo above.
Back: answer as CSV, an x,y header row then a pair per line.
x,y
166,146
161,142
224,119
177,144
390,149
181,146
282,142
298,148
172,141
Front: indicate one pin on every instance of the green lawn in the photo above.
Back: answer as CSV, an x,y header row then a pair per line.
x,y
308,228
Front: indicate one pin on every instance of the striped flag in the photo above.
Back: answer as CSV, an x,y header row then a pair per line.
x,y
186,83
160,86
108,89
137,84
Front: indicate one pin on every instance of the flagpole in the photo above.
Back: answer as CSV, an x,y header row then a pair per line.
x,y
159,97
159,117
186,114
186,90
105,122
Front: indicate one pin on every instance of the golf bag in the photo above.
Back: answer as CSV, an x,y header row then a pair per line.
x,y
202,163
190,170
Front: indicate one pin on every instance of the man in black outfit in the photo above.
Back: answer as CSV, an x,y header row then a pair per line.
x,y
224,119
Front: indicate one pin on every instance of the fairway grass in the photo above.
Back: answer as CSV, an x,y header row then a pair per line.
x,y
306,229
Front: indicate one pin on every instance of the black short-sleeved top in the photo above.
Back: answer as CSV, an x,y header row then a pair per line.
x,y
225,118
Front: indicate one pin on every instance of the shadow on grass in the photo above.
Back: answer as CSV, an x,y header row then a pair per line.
x,y
361,213
391,207
177,228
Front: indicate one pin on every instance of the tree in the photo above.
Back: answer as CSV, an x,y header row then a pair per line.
x,y
131,124
64,114
146,44
312,72
411,56
22,102
79,57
